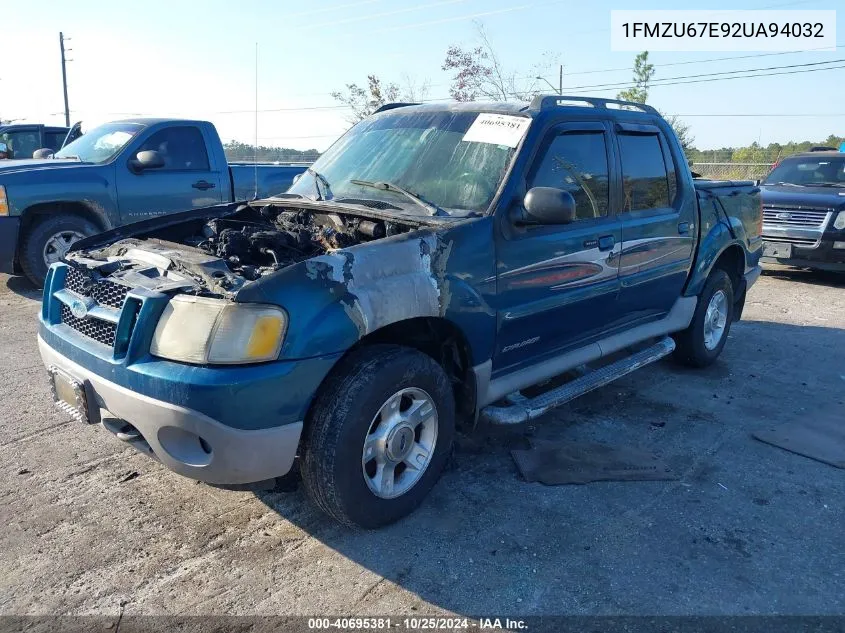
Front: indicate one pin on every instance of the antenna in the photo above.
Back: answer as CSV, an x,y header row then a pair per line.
x,y
255,153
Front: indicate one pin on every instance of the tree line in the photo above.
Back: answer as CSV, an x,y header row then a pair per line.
x,y
237,151
757,153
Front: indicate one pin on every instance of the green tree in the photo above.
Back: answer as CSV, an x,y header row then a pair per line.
x,y
685,137
643,72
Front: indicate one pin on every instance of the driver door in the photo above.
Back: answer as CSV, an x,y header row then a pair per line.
x,y
557,285
186,181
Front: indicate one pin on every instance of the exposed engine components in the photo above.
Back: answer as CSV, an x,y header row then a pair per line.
x,y
252,248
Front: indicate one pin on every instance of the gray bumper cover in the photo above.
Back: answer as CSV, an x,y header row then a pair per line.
x,y
172,432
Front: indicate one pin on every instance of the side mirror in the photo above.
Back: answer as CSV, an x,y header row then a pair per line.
x,y
148,159
296,178
44,152
547,205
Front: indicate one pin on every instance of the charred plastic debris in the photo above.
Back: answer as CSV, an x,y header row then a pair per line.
x,y
219,255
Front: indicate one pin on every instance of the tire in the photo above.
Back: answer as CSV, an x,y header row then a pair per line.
x,y
692,346
351,410
65,227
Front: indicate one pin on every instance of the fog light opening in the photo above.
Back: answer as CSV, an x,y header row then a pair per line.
x,y
184,446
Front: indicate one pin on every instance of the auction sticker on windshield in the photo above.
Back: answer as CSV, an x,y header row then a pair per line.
x,y
498,129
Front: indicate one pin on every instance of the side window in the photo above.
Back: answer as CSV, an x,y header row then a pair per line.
x,y
645,181
577,162
182,148
670,170
53,140
23,144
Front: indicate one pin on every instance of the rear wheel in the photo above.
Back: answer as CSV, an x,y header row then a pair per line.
x,y
702,342
48,240
378,435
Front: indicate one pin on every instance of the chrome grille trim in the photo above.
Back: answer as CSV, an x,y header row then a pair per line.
x,y
808,218
802,242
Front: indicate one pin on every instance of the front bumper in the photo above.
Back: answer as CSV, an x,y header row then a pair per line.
x,y
9,228
820,257
171,433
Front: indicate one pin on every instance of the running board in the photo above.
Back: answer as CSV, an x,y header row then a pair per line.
x,y
524,409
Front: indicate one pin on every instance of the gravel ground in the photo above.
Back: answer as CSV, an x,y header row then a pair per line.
x,y
91,527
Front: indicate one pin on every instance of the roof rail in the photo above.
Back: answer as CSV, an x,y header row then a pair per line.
x,y
547,102
391,106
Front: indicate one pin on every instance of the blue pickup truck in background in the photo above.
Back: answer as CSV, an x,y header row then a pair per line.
x,y
440,264
22,140
116,174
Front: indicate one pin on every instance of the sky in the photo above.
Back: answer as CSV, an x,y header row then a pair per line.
x,y
198,60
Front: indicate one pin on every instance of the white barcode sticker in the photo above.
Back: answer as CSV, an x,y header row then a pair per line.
x,y
498,129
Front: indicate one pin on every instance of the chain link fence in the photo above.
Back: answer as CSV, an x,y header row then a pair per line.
x,y
733,171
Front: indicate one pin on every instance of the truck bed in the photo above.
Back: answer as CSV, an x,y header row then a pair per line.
x,y
273,179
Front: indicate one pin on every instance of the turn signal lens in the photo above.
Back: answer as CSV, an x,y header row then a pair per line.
x,y
839,223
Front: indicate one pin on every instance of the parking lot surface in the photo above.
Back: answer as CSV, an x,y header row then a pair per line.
x,y
92,527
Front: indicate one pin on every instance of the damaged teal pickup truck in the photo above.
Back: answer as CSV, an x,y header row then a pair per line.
x,y
435,261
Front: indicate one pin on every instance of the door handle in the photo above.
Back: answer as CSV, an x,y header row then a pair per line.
x,y
606,242
683,228
202,185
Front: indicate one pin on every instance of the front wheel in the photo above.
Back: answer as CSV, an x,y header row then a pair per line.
x,y
48,240
702,342
378,435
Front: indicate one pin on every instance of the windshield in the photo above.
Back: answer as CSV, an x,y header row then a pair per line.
x,y
100,144
808,171
425,154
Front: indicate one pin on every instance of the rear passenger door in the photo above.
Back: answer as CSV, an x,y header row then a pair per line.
x,y
557,284
186,181
658,224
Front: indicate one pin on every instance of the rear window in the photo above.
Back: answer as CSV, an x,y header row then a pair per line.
x,y
645,179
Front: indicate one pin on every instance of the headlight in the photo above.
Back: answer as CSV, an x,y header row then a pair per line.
x,y
839,223
201,330
4,201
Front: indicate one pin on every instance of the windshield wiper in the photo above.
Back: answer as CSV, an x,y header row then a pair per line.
x,y
320,178
828,184
788,184
432,209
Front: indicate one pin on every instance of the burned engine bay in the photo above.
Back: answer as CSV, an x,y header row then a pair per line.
x,y
217,256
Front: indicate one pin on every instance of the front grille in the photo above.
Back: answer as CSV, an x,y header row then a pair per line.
x,y
799,241
104,292
96,329
808,218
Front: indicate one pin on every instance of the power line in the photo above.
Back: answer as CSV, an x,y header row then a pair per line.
x,y
701,61
698,81
654,82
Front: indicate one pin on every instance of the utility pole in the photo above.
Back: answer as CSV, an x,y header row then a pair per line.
x,y
64,77
559,88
